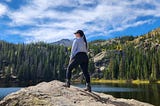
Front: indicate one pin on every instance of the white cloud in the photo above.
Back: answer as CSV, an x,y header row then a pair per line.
x,y
3,9
129,25
8,0
52,20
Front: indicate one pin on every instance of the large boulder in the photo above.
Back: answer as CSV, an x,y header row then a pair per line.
x,y
54,94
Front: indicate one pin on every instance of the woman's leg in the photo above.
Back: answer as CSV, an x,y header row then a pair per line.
x,y
73,64
84,67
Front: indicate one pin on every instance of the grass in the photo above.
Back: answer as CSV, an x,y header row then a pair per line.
x,y
107,81
158,82
103,81
122,81
140,82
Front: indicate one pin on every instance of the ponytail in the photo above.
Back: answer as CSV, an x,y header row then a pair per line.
x,y
85,40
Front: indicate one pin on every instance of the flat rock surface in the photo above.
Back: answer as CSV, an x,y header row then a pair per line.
x,y
54,94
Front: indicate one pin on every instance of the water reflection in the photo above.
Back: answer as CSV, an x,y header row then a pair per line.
x,y
143,92
105,88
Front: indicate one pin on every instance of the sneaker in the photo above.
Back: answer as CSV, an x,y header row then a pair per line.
x,y
88,87
67,84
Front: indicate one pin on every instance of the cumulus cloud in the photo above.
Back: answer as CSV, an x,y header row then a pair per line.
x,y
3,9
51,20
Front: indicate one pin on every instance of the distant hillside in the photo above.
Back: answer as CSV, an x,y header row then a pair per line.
x,y
64,42
149,40
128,57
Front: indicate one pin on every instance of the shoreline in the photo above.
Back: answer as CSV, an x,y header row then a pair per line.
x,y
124,81
103,81
93,80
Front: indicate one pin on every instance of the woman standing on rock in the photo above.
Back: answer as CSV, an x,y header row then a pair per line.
x,y
79,57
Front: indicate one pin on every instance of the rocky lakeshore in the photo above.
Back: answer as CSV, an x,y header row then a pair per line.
x,y
54,94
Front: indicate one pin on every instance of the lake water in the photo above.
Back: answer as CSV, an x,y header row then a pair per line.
x,y
144,92
6,91
149,93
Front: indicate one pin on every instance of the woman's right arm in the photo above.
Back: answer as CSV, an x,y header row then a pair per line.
x,y
74,49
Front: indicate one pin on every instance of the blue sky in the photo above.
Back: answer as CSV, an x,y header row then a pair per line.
x,y
51,20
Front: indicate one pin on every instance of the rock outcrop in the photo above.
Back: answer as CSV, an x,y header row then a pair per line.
x,y
54,94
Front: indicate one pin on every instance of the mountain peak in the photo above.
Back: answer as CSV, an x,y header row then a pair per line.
x,y
64,42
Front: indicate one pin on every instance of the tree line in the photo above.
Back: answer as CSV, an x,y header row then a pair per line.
x,y
34,62
42,61
132,64
129,60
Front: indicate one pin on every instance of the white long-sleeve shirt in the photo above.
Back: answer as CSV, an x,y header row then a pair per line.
x,y
78,46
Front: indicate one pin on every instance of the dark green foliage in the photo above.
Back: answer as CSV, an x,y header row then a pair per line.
x,y
35,61
134,63
126,38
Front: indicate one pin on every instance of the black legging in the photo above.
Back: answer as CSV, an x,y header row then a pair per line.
x,y
81,59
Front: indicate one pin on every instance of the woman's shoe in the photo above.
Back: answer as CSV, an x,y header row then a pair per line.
x,y
67,84
88,87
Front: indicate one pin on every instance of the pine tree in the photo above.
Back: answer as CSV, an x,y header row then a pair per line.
x,y
121,69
